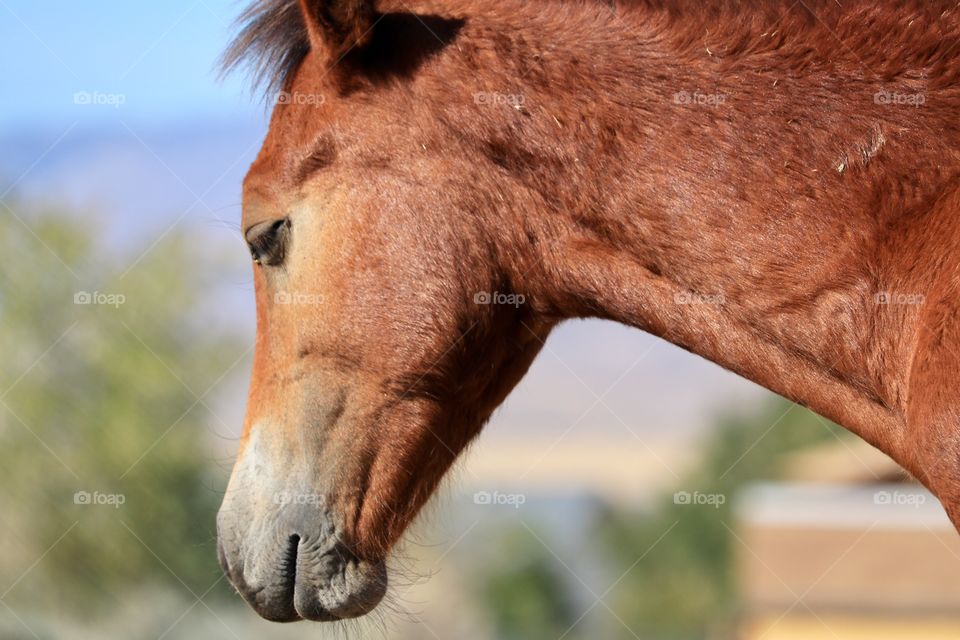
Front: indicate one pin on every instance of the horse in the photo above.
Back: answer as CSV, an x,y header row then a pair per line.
x,y
769,184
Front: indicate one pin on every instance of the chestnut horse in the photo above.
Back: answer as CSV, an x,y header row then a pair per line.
x,y
770,184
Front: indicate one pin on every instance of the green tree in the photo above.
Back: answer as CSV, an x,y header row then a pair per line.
x,y
106,475
527,599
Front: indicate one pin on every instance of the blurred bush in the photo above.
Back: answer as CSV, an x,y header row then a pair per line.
x,y
104,462
527,593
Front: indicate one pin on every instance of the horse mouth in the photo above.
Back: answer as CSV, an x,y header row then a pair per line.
x,y
302,577
336,584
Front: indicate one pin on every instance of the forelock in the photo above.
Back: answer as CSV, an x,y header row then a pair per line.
x,y
271,44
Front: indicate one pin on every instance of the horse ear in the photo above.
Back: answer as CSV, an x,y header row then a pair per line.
x,y
337,26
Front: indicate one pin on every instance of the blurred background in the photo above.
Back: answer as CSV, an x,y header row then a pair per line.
x,y
626,489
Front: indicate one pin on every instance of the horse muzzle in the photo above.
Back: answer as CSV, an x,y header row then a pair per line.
x,y
283,551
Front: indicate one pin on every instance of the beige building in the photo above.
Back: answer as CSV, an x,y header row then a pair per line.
x,y
847,549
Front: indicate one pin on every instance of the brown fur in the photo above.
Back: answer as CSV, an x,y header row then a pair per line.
x,y
546,149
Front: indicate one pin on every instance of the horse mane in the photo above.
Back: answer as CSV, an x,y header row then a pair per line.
x,y
273,38
271,43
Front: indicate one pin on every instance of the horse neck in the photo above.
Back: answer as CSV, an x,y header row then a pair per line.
x,y
718,217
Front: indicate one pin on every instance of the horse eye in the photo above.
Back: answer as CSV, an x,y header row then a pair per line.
x,y
268,240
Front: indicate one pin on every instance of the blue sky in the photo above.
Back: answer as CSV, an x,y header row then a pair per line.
x,y
159,57
115,107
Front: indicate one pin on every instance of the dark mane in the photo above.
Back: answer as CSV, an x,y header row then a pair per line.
x,y
271,44
273,38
